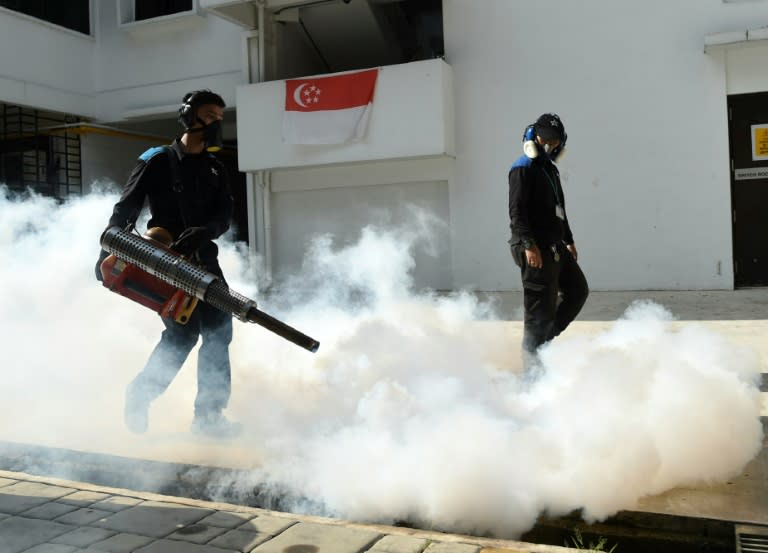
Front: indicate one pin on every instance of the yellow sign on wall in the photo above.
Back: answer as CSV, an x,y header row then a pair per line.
x,y
759,142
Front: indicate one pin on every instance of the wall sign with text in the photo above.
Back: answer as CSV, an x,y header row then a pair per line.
x,y
759,142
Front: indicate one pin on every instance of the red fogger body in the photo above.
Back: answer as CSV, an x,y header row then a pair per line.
x,y
146,289
147,271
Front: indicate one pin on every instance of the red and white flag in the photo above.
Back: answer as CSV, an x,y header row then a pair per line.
x,y
328,110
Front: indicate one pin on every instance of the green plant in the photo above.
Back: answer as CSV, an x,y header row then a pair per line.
x,y
577,541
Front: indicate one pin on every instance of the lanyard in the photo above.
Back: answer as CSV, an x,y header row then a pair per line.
x,y
552,184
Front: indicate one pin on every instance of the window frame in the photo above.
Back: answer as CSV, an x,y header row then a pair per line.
x,y
91,23
126,14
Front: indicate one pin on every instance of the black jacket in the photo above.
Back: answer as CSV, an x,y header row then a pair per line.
x,y
534,193
191,190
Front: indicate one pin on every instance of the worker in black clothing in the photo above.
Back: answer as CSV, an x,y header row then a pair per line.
x,y
189,196
542,243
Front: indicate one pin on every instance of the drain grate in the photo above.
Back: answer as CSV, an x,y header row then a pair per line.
x,y
751,539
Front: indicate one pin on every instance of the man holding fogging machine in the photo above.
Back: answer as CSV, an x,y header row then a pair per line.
x,y
189,196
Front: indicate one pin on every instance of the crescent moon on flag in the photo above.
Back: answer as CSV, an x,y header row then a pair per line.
x,y
297,95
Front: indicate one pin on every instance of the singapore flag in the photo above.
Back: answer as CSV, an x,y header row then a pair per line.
x,y
328,110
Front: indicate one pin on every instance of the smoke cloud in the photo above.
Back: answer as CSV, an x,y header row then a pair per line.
x,y
414,409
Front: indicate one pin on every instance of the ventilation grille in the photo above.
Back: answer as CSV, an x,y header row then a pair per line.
x,y
751,539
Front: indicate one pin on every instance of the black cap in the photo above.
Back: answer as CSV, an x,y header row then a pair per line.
x,y
549,126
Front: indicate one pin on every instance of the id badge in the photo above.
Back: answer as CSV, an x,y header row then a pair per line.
x,y
560,212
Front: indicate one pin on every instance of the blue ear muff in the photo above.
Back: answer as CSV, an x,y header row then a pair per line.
x,y
529,142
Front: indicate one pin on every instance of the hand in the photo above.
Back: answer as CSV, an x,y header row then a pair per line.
x,y
533,257
102,256
572,248
191,239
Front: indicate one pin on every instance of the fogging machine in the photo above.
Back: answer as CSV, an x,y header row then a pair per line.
x,y
148,272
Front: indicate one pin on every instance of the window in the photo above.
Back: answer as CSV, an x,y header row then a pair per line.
x,y
143,18
72,14
149,9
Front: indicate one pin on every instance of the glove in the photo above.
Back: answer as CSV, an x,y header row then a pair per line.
x,y
191,239
102,256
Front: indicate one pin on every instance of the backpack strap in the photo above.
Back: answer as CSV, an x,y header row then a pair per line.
x,y
173,162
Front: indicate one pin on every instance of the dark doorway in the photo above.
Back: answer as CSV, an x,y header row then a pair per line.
x,y
749,187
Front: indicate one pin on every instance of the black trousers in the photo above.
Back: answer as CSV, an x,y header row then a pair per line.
x,y
213,367
559,278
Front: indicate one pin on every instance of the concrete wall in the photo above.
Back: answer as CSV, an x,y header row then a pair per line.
x,y
45,66
144,69
409,196
110,159
746,67
139,69
412,116
647,172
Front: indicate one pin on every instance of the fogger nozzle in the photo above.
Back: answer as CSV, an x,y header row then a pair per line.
x,y
170,267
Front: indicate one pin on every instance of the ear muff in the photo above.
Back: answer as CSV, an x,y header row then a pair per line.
x,y
187,111
529,142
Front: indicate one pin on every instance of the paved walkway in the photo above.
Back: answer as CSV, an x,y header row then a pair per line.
x,y
45,515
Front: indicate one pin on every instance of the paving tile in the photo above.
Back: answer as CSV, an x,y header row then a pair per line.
x,y
49,511
168,546
153,518
399,544
52,548
442,547
197,533
22,496
121,543
83,498
266,524
116,503
19,533
240,540
81,517
324,538
7,482
83,536
227,519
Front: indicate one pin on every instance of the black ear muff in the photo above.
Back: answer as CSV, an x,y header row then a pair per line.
x,y
529,142
187,111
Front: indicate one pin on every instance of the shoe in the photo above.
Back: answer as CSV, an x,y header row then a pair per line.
x,y
215,425
136,414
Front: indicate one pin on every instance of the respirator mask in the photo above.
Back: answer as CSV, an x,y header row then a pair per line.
x,y
549,126
213,137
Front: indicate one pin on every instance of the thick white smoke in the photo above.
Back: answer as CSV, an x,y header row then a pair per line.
x,y
413,409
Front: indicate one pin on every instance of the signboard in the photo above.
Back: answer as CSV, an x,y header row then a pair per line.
x,y
759,142
751,173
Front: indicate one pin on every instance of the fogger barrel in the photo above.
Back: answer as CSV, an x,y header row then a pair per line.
x,y
170,267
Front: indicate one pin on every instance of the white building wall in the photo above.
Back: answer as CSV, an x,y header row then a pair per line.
x,y
647,173
123,71
45,66
145,68
108,160
747,67
409,198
